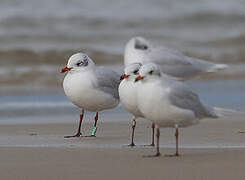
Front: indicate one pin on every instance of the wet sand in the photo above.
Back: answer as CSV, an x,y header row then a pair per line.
x,y
211,150
91,163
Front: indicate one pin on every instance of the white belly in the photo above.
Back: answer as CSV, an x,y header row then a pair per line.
x,y
155,106
81,92
128,97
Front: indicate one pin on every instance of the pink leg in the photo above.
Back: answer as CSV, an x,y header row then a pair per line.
x,y
177,141
157,148
133,129
158,138
153,134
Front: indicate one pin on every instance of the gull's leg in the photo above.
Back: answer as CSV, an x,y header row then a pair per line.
x,y
153,134
177,140
157,148
95,125
79,127
133,129
158,138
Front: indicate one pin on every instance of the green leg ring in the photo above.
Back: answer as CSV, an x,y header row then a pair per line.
x,y
94,131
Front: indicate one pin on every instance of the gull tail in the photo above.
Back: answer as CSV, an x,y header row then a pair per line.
x,y
221,112
217,67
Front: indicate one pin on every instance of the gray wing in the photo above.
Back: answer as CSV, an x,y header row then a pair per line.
x,y
108,81
168,56
181,96
175,63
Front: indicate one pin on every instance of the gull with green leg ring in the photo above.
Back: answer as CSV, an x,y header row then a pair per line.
x,y
90,87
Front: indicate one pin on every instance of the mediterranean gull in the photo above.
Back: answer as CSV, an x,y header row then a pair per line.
x,y
171,62
90,87
169,103
128,96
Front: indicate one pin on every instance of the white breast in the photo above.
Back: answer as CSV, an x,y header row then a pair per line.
x,y
128,96
154,104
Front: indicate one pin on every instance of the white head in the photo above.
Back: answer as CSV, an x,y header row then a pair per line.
x,y
138,43
78,62
131,71
149,71
135,50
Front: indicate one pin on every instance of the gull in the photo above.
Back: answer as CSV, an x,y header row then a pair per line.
x,y
90,87
128,96
169,103
171,62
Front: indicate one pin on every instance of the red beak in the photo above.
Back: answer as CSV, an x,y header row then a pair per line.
x,y
124,76
64,69
139,78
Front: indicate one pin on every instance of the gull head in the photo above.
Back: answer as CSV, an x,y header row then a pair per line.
x,y
78,62
149,71
131,71
138,43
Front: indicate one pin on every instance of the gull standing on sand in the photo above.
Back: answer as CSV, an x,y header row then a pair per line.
x,y
171,62
89,87
169,103
128,96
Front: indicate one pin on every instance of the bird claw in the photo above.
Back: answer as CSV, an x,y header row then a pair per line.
x,y
76,135
172,155
146,145
154,155
131,145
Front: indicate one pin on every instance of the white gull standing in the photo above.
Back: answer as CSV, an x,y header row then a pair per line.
x,y
171,62
128,96
90,87
169,103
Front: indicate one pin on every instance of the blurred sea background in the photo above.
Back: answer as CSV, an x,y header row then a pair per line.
x,y
37,37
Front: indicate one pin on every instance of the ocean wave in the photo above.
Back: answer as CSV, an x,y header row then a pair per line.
x,y
208,17
24,57
37,69
237,40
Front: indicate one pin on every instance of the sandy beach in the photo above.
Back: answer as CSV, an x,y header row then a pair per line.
x,y
211,150
38,37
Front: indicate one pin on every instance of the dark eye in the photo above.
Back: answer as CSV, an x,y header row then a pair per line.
x,y
150,72
83,62
141,46
79,63
136,71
